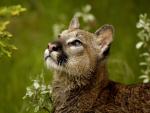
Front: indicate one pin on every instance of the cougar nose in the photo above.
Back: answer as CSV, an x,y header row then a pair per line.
x,y
53,47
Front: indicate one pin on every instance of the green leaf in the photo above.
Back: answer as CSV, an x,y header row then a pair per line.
x,y
36,109
6,12
12,47
12,10
142,63
2,44
3,25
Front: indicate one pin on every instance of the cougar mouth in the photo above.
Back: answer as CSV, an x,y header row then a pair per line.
x,y
55,59
46,54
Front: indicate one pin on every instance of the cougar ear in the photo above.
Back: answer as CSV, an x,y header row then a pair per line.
x,y
104,38
74,24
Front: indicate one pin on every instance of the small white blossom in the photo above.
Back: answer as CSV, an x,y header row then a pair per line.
x,y
87,8
139,45
43,87
146,80
78,14
29,92
36,84
50,88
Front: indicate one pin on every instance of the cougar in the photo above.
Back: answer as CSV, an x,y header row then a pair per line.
x,y
80,82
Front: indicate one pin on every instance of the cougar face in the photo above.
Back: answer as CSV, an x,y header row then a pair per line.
x,y
76,52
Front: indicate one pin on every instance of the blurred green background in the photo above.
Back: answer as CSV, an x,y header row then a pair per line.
x,y
33,30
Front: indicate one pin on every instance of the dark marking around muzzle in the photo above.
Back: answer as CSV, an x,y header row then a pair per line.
x,y
58,47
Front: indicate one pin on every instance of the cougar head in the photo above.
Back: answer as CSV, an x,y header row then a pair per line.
x,y
77,52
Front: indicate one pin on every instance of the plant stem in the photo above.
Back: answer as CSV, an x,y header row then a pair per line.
x,y
46,109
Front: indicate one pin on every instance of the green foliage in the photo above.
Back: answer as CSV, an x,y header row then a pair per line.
x,y
6,13
87,17
144,46
38,95
84,13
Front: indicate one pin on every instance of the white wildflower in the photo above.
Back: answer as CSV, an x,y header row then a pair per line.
x,y
36,84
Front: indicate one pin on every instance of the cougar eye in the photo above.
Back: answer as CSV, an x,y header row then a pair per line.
x,y
75,43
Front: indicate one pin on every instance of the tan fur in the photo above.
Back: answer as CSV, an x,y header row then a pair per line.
x,y
82,84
